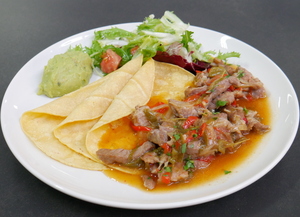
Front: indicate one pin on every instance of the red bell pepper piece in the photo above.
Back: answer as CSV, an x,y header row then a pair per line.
x,y
189,121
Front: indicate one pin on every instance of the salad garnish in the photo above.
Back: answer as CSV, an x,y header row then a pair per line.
x,y
166,39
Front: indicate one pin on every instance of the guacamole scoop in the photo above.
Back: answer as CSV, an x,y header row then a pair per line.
x,y
65,73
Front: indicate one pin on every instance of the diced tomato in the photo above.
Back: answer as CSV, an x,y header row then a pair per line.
x,y
134,49
189,122
110,62
167,148
166,178
140,128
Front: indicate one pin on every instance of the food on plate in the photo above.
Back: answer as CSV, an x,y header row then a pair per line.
x,y
163,111
168,81
65,73
173,138
72,131
73,114
166,39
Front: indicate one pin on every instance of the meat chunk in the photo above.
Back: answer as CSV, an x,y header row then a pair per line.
x,y
123,156
236,116
193,148
182,109
158,136
178,173
148,181
201,78
227,97
150,158
139,118
141,150
254,123
110,156
249,81
190,91
201,164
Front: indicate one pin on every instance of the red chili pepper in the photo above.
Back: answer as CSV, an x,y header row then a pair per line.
x,y
157,104
167,148
177,145
194,97
245,119
231,88
161,110
166,178
207,159
249,96
202,129
189,121
215,78
234,103
140,128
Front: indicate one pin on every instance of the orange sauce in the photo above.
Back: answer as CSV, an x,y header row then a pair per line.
x,y
218,167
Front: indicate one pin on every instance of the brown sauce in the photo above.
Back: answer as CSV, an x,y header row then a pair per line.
x,y
219,167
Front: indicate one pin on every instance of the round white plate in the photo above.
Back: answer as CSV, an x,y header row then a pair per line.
x,y
95,187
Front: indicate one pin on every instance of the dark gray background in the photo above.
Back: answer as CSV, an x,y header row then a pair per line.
x,y
29,26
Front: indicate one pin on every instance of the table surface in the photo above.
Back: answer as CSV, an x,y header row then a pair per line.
x,y
29,26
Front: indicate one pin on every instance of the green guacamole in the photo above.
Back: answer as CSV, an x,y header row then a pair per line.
x,y
65,73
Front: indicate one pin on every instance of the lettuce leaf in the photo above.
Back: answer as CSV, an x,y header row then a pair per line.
x,y
152,36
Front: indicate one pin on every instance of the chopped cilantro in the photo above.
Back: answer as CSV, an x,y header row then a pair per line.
x,y
245,110
240,74
183,148
176,136
227,172
189,164
215,112
168,169
221,103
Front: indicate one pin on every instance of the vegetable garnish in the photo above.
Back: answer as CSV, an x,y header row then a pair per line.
x,y
227,172
189,121
140,128
220,103
189,164
166,39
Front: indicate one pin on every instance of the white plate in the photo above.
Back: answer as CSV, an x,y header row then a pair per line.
x,y
95,187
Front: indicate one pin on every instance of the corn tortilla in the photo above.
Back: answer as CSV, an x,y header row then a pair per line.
x,y
39,124
170,81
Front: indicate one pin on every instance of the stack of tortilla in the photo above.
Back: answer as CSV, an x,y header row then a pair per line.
x,y
69,129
